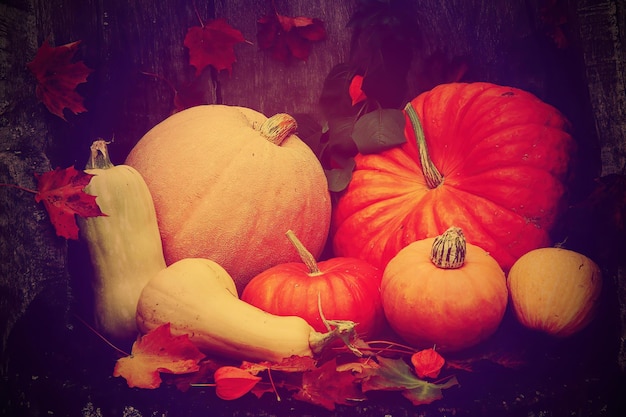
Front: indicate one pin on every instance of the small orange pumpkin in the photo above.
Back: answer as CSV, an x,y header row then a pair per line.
x,y
444,291
345,288
227,181
555,290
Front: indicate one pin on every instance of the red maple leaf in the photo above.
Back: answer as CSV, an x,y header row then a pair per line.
x,y
287,37
57,78
212,44
327,386
155,352
63,196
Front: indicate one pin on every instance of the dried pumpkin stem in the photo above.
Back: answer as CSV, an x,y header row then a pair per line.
x,y
99,157
306,256
449,248
278,128
431,174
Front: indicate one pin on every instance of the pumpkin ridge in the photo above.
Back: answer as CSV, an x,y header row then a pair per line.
x,y
473,225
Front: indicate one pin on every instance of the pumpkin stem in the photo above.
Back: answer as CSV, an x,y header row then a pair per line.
x,y
306,256
99,157
278,128
449,248
431,174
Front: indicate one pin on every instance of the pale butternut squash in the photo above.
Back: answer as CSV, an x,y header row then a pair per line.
x,y
199,298
124,246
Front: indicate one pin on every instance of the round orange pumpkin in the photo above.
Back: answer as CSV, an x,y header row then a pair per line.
x,y
348,289
555,290
444,291
492,160
227,182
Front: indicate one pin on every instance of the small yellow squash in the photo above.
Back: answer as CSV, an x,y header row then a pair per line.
x,y
554,290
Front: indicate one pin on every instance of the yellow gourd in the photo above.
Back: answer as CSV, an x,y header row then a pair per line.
x,y
199,298
554,290
124,246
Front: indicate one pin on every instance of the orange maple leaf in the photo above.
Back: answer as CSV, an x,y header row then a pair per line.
x,y
63,196
212,44
155,352
327,386
57,78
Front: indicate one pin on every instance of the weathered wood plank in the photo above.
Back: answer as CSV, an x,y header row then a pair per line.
x,y
602,29
32,258
269,86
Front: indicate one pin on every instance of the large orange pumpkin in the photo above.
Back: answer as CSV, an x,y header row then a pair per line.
x,y
490,159
227,182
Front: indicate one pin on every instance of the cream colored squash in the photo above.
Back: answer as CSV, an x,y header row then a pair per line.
x,y
554,290
124,246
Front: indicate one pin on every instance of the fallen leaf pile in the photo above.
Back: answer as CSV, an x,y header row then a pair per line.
x,y
338,377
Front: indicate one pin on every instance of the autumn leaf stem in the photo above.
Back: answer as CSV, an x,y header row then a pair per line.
x,y
101,336
195,8
269,376
161,78
18,187
391,346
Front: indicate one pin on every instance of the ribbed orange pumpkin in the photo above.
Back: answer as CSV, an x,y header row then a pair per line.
x,y
490,159
444,291
227,182
348,289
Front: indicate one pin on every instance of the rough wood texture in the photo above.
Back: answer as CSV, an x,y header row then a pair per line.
x,y
603,29
269,86
32,258
602,26
55,365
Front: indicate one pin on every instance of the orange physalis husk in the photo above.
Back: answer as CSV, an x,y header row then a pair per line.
x,y
427,363
232,383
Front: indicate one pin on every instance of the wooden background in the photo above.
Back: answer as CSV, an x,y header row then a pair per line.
x,y
502,42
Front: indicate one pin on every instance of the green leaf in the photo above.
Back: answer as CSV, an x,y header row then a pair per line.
x,y
379,130
309,131
334,99
396,375
341,147
339,178
427,392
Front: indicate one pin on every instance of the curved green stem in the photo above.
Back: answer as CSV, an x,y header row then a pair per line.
x,y
431,174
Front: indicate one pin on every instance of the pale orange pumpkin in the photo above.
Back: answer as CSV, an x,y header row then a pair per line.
x,y
555,290
227,182
444,291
